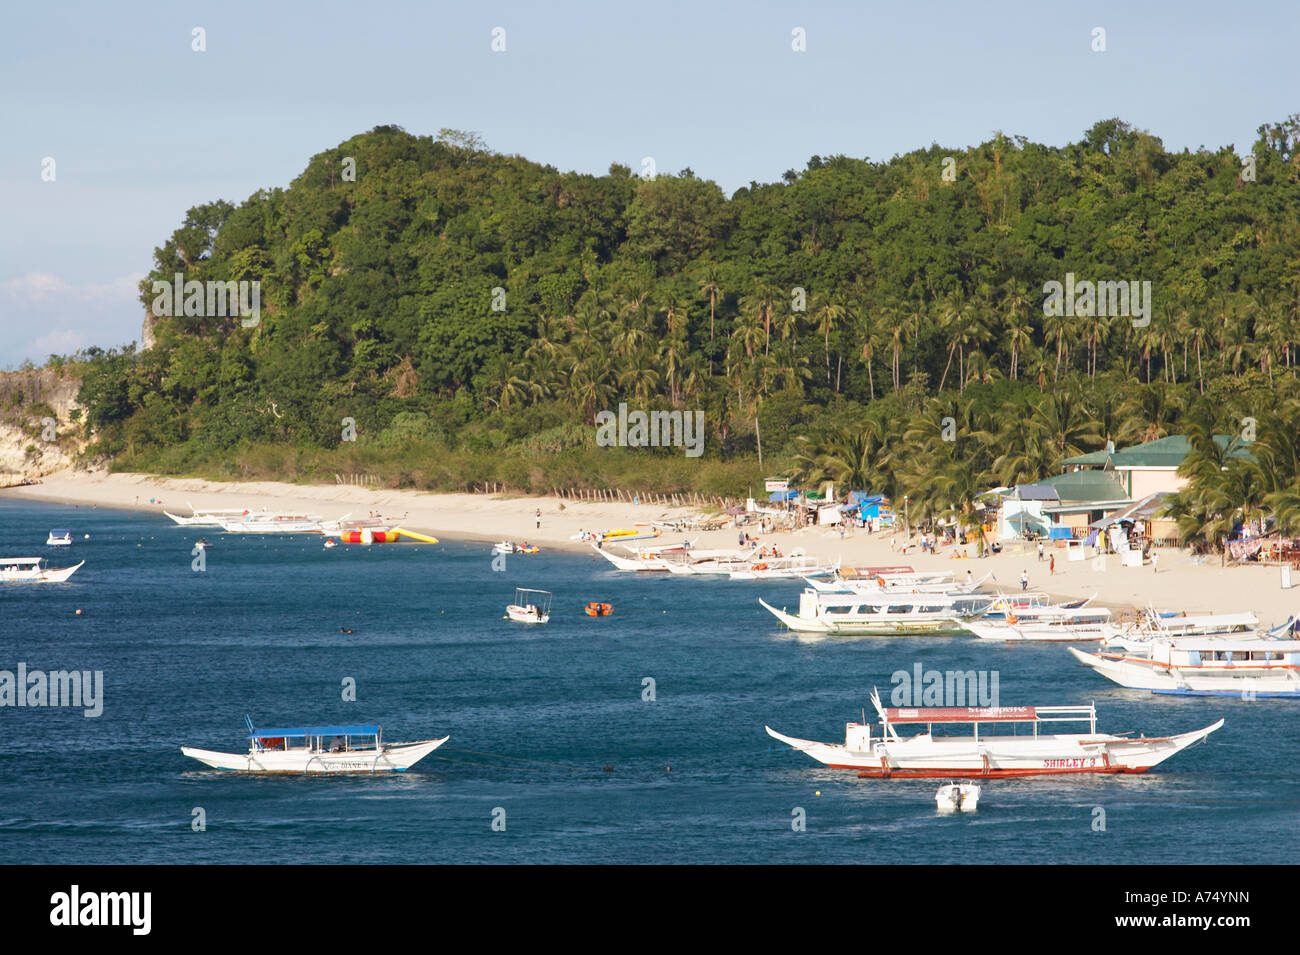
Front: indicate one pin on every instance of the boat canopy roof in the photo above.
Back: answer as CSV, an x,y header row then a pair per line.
x,y
61,532
963,714
367,729
1246,619
1227,643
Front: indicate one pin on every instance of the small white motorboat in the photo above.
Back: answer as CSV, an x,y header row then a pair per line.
x,y
330,542
503,547
954,796
530,606
319,749
59,537
33,570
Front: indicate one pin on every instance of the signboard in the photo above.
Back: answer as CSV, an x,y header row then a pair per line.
x,y
776,486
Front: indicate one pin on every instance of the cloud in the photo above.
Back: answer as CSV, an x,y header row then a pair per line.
x,y
43,314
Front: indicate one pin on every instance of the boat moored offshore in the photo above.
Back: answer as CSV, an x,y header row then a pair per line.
x,y
995,742
33,570
319,749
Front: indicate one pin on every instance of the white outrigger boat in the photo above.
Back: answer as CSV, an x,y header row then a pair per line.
x,y
1248,667
209,516
785,568
1155,627
59,537
319,749
284,524
880,614
954,796
991,753
530,606
33,570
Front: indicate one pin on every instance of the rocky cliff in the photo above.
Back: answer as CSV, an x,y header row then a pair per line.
x,y
39,431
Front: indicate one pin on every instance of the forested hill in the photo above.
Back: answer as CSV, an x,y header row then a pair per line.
x,y
446,297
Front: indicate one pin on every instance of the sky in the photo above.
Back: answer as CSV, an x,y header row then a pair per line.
x,y
141,126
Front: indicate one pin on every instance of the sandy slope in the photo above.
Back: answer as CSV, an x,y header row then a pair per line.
x,y
1180,584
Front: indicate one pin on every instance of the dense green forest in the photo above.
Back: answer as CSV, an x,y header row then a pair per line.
x,y
472,312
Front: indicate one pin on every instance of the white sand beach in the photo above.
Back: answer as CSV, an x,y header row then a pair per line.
x,y
1181,584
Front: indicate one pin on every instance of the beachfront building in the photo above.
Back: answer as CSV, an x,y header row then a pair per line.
x,y
1060,507
1144,469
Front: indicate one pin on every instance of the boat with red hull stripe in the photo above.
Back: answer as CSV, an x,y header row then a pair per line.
x,y
990,742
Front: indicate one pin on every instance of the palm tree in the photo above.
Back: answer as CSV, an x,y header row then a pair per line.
x,y
711,285
828,314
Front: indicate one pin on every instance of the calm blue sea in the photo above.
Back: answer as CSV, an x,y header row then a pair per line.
x,y
535,714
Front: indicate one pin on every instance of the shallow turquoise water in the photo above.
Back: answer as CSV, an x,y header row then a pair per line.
x,y
535,714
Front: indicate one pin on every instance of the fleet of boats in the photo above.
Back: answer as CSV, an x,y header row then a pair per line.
x,y
1194,655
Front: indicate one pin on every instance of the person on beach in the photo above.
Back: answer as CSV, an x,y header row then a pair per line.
x,y
1040,552
1024,580
893,543
1155,562
1051,567
539,518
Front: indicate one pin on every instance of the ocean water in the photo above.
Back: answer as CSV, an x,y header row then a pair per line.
x,y
536,714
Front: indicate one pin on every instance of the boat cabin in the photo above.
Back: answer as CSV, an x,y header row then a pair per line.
x,y
1228,654
996,720
318,739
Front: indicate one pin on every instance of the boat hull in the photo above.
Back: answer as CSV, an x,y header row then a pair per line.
x,y
395,758
524,615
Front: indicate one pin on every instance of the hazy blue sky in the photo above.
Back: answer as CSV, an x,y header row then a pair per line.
x,y
141,127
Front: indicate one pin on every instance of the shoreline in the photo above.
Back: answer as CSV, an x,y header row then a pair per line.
x,y
1180,584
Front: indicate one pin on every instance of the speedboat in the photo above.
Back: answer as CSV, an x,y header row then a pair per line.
x,y
59,537
530,606
33,570
503,547
954,796
990,741
319,749
1248,667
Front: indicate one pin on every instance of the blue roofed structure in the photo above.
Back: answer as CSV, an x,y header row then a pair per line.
x,y
354,730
